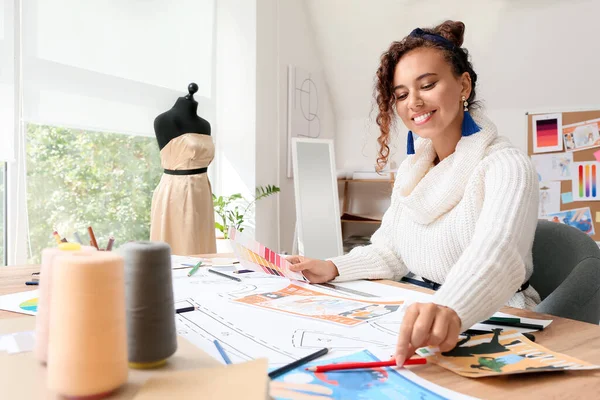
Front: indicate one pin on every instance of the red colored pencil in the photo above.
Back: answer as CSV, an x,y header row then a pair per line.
x,y
92,238
375,364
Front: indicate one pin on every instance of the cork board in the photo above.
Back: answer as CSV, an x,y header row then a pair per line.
x,y
568,118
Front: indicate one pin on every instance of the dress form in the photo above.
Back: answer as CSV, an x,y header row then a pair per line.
x,y
182,206
181,118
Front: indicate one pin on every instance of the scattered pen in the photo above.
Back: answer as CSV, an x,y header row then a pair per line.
x,y
195,269
505,319
235,278
537,327
242,271
222,352
32,283
184,309
287,368
357,365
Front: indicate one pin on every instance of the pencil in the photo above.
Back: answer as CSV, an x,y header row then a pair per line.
x,y
235,278
195,269
92,238
222,352
357,365
111,241
56,237
291,366
184,309
77,237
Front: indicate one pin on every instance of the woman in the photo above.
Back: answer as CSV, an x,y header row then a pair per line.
x,y
464,207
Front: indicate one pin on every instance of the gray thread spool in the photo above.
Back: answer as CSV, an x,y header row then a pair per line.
x,y
151,333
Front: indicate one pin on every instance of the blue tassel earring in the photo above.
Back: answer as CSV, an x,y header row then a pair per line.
x,y
410,144
469,126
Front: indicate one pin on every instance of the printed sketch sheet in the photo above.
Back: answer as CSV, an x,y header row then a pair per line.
x,y
245,334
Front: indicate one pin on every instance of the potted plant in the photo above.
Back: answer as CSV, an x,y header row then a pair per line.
x,y
232,211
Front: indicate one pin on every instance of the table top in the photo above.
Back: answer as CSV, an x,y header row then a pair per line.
x,y
574,338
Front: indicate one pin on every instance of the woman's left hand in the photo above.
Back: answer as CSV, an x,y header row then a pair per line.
x,y
427,324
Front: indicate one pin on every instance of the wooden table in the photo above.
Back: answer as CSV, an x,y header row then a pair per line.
x,y
574,338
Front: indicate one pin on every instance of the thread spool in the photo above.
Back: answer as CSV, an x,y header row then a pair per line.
x,y
87,348
42,319
151,332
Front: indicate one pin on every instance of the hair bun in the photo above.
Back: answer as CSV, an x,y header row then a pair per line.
x,y
454,31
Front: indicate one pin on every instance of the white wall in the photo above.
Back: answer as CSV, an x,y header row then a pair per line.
x,y
297,47
235,127
529,55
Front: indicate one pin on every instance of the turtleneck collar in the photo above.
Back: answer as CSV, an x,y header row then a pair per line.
x,y
429,191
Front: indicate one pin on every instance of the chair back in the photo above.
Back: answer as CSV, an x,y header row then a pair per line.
x,y
557,249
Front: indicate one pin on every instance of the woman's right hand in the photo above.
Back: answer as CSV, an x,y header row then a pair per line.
x,y
316,271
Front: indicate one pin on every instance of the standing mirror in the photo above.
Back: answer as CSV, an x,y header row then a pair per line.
x,y
319,231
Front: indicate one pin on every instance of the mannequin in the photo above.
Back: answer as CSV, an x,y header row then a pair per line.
x,y
182,212
182,118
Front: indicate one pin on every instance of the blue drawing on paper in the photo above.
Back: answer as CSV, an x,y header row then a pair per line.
x,y
372,384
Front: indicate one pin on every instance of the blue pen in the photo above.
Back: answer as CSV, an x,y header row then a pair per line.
x,y
222,352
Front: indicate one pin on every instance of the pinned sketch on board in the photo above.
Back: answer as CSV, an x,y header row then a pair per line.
x,y
305,107
549,198
547,133
300,301
501,353
256,257
580,218
586,181
582,135
553,167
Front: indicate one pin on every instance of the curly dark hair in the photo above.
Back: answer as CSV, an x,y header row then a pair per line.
x,y
457,57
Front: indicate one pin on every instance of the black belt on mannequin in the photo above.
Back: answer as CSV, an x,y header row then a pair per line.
x,y
436,286
186,171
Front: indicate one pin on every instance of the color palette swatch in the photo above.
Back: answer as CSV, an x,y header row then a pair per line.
x,y
547,135
29,305
256,257
585,181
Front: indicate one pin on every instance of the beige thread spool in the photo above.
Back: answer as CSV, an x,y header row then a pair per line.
x,y
42,319
87,349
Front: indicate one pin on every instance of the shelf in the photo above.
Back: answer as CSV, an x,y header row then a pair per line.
x,y
346,217
367,180
361,222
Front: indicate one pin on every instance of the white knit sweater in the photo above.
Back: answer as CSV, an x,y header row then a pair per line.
x,y
467,223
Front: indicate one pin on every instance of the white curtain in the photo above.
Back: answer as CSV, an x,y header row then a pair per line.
x,y
114,65
7,79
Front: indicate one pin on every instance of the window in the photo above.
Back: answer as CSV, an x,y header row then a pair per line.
x,y
2,214
77,179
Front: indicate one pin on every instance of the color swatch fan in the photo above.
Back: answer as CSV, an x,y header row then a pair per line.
x,y
255,256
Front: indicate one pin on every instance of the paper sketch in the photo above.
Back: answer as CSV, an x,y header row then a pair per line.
x,y
306,339
549,198
580,218
553,167
305,99
586,181
547,133
582,135
300,301
501,353
375,383
22,302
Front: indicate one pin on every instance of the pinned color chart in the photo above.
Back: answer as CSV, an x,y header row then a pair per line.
x,y
585,181
257,257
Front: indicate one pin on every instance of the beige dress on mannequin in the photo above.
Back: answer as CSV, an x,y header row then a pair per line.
x,y
182,212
